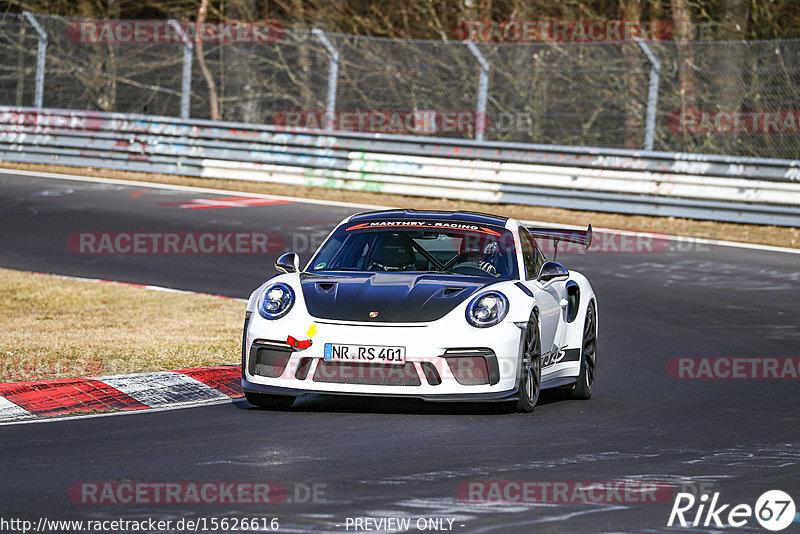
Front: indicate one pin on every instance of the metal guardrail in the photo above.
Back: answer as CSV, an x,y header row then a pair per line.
x,y
747,190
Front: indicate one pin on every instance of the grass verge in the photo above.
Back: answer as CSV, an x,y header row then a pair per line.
x,y
53,327
766,235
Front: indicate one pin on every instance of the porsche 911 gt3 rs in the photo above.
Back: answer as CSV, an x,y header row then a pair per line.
x,y
443,306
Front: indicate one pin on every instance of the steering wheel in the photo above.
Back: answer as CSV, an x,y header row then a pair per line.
x,y
458,260
470,268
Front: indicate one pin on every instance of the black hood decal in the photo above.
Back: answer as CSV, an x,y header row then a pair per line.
x,y
387,297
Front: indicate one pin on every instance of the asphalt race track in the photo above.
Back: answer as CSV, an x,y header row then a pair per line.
x,y
389,458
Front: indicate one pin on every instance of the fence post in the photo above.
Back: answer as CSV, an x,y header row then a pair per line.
x,y
333,76
483,90
186,78
41,56
652,96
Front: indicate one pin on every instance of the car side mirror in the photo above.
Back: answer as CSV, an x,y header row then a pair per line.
x,y
288,263
552,271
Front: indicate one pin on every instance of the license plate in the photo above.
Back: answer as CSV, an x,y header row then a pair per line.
x,y
336,352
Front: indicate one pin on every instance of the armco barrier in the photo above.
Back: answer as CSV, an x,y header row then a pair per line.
x,y
747,190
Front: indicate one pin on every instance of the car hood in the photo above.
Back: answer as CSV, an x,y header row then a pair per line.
x,y
387,297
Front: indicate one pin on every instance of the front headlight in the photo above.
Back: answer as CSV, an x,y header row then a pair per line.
x,y
487,309
276,301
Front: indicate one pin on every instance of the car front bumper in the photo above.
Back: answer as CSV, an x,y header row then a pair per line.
x,y
444,362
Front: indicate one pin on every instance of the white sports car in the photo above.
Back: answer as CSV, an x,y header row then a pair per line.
x,y
443,306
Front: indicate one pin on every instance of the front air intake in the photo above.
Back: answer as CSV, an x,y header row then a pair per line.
x,y
303,367
473,367
269,359
370,374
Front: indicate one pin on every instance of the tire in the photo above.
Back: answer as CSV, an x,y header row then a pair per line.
x,y
583,387
530,378
273,402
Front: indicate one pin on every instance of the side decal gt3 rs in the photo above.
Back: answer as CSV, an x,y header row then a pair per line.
x,y
559,355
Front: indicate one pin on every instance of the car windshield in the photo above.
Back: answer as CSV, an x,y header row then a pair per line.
x,y
419,246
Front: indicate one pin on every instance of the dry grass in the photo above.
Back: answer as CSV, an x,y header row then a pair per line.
x,y
51,327
766,235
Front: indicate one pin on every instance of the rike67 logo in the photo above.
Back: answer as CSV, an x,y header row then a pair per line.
x,y
774,510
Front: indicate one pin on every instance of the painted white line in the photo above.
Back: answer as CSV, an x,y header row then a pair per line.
x,y
9,410
732,244
672,237
163,388
180,291
153,185
120,413
140,286
300,200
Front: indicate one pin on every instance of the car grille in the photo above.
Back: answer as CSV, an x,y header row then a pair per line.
x,y
302,368
371,374
431,373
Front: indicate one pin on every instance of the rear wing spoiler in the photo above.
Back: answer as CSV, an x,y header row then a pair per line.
x,y
582,237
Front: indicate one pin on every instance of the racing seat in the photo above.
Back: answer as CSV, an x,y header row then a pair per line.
x,y
392,253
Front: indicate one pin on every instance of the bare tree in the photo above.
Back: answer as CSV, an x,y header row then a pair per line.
x,y
213,100
684,32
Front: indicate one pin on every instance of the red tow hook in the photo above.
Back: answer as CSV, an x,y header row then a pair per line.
x,y
300,345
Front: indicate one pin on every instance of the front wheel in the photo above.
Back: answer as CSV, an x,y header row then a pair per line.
x,y
530,379
583,387
265,400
